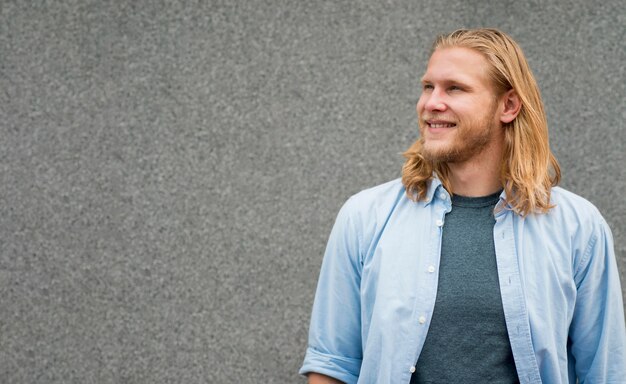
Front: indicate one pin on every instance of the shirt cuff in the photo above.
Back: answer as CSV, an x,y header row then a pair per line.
x,y
339,367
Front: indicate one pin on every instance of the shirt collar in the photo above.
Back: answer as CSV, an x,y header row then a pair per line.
x,y
502,205
435,185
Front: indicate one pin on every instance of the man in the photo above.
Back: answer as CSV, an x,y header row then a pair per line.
x,y
474,267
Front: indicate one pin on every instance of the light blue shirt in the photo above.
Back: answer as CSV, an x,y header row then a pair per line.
x,y
376,293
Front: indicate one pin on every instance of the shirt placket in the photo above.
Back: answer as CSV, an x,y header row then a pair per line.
x,y
513,301
430,271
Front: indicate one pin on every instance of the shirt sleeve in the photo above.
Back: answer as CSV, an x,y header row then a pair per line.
x,y
597,331
334,347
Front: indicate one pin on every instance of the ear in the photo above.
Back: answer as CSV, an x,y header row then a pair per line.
x,y
511,106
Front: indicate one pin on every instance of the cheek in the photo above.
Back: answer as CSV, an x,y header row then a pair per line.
x,y
420,104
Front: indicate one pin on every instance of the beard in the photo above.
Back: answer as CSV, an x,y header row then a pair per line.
x,y
471,137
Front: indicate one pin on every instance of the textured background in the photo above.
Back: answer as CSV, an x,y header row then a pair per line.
x,y
170,171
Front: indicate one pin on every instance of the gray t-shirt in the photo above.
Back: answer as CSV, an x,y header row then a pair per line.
x,y
467,340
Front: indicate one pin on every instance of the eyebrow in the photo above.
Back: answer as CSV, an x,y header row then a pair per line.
x,y
456,81
446,81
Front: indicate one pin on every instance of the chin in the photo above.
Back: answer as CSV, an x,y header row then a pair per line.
x,y
436,149
436,154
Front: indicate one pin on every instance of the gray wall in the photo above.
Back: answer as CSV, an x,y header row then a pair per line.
x,y
170,172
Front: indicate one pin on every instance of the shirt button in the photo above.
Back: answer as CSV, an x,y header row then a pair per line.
x,y
422,319
439,222
431,269
443,196
412,369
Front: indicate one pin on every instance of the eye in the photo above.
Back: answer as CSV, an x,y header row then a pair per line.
x,y
455,88
427,87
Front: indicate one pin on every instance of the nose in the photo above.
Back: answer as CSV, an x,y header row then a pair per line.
x,y
433,101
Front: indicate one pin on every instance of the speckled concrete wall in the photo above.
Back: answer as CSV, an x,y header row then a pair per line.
x,y
170,170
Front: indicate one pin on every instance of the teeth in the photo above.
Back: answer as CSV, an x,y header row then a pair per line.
x,y
441,125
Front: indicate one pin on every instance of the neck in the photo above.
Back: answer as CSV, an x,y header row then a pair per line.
x,y
479,176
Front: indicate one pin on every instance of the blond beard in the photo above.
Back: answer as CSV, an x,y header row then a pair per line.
x,y
471,138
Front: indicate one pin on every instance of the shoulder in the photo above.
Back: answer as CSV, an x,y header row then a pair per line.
x,y
570,207
376,200
569,200
578,222
573,220
365,214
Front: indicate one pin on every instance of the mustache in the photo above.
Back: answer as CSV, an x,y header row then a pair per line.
x,y
437,117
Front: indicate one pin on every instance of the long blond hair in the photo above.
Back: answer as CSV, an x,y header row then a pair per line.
x,y
529,169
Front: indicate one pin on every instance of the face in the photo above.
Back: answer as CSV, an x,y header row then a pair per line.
x,y
458,109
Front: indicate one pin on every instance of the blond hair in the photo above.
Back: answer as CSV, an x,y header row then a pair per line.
x,y
529,169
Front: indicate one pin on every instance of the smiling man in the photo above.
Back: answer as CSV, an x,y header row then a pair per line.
x,y
474,267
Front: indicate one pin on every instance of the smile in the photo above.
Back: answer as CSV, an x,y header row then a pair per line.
x,y
439,124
